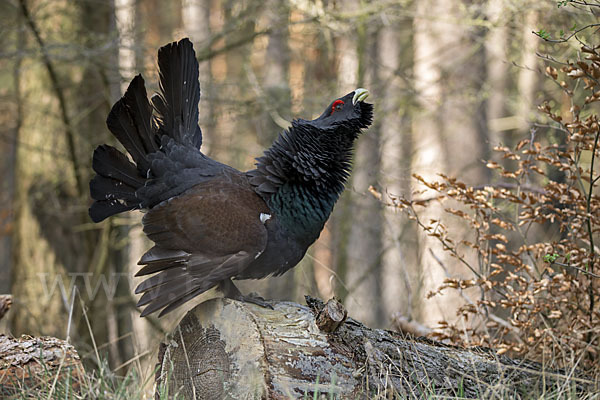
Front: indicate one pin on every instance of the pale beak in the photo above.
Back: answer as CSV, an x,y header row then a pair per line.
x,y
359,95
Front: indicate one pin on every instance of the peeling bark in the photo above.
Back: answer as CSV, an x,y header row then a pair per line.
x,y
29,362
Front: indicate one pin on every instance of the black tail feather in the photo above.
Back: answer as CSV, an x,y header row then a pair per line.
x,y
176,106
159,279
181,300
162,295
111,163
102,209
103,188
136,100
172,300
115,184
131,121
177,292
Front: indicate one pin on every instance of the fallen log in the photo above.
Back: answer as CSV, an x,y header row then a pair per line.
x,y
228,349
28,364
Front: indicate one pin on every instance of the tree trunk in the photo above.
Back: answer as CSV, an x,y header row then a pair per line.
x,y
8,147
496,45
528,76
400,267
363,247
238,350
452,123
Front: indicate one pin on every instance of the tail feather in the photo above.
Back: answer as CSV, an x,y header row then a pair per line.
x,y
102,188
140,110
167,295
173,299
176,105
102,209
178,280
126,122
157,266
181,300
161,278
117,186
163,294
110,162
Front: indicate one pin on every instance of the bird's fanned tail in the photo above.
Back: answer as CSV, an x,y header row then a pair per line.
x,y
154,140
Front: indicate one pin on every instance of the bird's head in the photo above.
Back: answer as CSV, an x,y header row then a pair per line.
x,y
349,113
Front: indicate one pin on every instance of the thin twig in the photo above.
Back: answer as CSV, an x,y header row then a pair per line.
x,y
583,271
565,39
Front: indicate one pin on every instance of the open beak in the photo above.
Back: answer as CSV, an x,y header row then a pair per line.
x,y
360,94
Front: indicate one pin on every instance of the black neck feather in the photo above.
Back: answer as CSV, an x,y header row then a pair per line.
x,y
318,160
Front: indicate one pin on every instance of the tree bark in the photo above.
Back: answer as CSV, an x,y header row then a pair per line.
x,y
28,363
224,348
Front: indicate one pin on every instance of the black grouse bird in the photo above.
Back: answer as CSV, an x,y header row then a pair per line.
x,y
210,222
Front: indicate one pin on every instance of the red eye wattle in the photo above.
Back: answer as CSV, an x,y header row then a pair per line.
x,y
336,106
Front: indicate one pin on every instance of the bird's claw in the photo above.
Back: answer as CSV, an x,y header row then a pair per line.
x,y
254,298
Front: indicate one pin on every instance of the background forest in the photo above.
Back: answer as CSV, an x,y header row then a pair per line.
x,y
450,80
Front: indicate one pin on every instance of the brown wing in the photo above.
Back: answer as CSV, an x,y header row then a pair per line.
x,y
209,233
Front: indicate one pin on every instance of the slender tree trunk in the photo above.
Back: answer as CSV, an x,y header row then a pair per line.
x,y
103,262
400,248
347,79
433,39
231,144
364,240
8,169
528,78
126,17
275,80
497,62
429,145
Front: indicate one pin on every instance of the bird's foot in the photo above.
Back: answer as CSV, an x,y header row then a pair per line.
x,y
254,298
232,292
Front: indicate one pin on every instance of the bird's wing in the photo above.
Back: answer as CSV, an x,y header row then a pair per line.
x,y
210,233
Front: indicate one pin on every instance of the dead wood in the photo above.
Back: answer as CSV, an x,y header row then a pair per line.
x,y
29,363
228,349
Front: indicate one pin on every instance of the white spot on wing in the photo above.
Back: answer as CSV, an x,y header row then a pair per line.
x,y
264,217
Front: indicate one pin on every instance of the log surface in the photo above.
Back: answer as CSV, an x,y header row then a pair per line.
x,y
27,363
227,349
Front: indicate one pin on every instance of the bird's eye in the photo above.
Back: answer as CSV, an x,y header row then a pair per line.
x,y
336,106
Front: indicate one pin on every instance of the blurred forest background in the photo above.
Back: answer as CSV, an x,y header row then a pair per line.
x,y
449,81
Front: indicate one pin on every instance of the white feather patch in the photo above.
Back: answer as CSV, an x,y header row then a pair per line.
x,y
264,217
